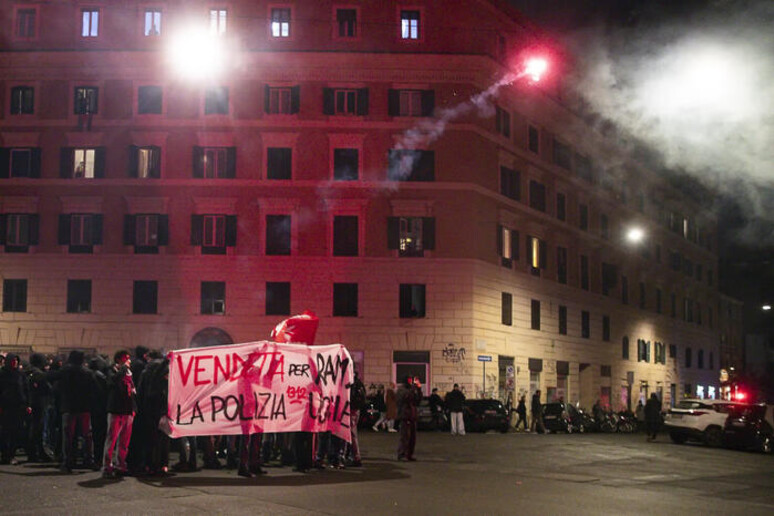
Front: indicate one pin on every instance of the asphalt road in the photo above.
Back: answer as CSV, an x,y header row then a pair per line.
x,y
474,474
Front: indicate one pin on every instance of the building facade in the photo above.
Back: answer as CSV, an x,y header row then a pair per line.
x,y
363,160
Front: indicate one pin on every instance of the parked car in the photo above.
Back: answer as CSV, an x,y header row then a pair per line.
x,y
425,419
750,427
698,420
559,416
483,415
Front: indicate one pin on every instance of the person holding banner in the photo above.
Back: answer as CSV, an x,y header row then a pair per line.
x,y
409,395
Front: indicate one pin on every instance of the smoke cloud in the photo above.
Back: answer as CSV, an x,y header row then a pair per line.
x,y
698,89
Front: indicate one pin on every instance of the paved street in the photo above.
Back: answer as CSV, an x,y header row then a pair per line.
x,y
475,474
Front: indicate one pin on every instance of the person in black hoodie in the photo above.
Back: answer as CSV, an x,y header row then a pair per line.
x,y
99,367
40,398
121,407
75,388
14,407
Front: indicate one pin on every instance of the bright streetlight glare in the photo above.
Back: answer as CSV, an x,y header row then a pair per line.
x,y
196,54
535,67
635,235
766,308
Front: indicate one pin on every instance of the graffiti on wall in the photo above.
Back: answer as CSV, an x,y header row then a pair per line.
x,y
452,354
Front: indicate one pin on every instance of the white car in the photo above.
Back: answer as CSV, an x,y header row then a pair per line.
x,y
698,420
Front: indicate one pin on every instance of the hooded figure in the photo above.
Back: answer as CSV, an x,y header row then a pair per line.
x,y
75,386
14,407
40,400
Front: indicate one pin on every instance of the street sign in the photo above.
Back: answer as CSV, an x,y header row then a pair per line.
x,y
484,358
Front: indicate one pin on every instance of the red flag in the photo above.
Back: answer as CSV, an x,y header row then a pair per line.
x,y
300,329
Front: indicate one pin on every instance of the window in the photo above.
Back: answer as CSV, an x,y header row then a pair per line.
x,y
25,26
537,254
145,297
213,297
214,162
145,162
279,162
700,359
152,25
561,265
89,23
584,272
535,314
643,295
22,100
658,300
345,299
345,235
146,232
14,295
604,226
278,234
411,102
80,231
609,278
216,101
277,298
87,163
18,231
583,168
583,217
282,100
537,196
506,309
673,303
534,139
214,233
510,183
561,207
411,236
411,165
149,100
346,21
688,310
562,320
280,22
625,348
345,102
562,155
78,296
672,351
502,122
507,245
409,24
606,328
711,360
643,350
218,19
86,100
412,301
346,164
585,324
19,162
659,353
688,357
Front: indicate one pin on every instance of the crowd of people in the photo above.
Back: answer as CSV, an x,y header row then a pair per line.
x,y
89,412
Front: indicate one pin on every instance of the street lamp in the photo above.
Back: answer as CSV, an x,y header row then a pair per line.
x,y
196,53
766,307
635,235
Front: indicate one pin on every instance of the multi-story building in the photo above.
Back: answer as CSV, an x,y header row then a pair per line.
x,y
328,156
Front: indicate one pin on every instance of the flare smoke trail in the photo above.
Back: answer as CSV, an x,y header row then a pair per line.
x,y
428,131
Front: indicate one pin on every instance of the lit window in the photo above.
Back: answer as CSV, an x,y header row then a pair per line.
x,y
84,162
218,21
152,25
148,162
25,23
213,231
146,230
89,23
280,23
214,162
409,24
